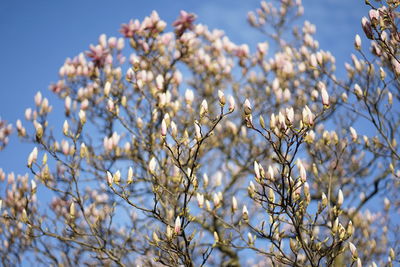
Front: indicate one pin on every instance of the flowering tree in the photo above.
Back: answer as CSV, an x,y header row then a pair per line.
x,y
191,150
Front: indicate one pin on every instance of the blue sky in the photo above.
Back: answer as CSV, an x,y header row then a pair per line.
x,y
37,36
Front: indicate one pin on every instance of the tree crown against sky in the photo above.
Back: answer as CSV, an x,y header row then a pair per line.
x,y
183,148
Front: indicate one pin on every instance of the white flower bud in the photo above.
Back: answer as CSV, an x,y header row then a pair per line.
x,y
340,198
234,204
357,42
130,175
82,116
200,200
65,127
110,179
231,103
107,89
247,107
221,98
353,133
152,165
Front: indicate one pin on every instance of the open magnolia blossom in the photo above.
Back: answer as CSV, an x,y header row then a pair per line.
x,y
181,148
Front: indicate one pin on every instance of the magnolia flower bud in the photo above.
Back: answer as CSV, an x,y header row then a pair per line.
x,y
107,89
271,195
357,42
117,177
374,16
245,213
366,25
358,91
33,187
83,151
197,130
308,116
159,82
234,204
257,170
392,254
270,173
163,128
325,97
38,99
82,117
353,250
247,107
272,121
39,130
390,98
24,216
262,122
44,159
177,226
110,178
335,225
216,200
353,133
72,210
174,129
302,171
324,202
203,108
221,98
250,238
32,157
350,229
289,115
189,96
200,200
205,180
130,176
340,198
65,127
152,165
231,103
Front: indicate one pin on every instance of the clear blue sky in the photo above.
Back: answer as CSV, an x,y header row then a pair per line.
x,y
37,36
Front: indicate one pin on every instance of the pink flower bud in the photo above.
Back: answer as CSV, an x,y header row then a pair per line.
x,y
366,25
374,16
325,97
177,227
163,128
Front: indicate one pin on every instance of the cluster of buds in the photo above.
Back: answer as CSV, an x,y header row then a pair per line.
x,y
5,131
111,143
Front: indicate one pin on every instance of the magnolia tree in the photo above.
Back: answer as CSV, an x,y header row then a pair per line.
x,y
183,148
